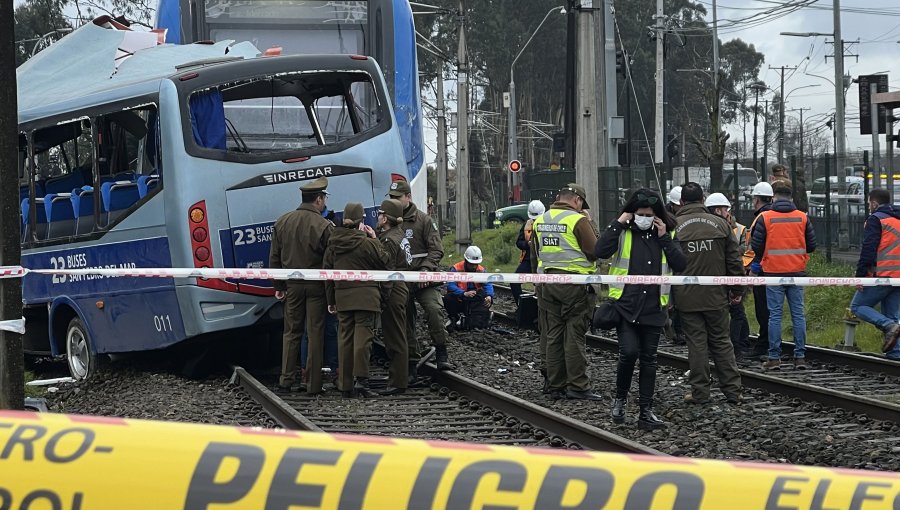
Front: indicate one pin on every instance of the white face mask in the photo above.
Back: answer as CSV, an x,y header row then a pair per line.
x,y
643,222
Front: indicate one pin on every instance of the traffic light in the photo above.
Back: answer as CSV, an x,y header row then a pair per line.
x,y
672,147
620,62
515,166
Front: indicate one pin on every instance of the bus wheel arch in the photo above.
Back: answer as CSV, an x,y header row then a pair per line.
x,y
73,340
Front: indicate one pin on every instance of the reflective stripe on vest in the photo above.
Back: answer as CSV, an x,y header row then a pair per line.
x,y
460,267
558,247
619,267
888,262
785,242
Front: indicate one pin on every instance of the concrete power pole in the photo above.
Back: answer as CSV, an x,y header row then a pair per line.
x,y
586,142
12,362
716,67
660,142
463,228
442,198
607,93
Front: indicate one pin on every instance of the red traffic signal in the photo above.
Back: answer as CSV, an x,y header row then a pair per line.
x,y
515,165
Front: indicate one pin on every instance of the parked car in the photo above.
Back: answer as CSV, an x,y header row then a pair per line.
x,y
511,214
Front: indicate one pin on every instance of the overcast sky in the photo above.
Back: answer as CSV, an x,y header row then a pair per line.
x,y
878,51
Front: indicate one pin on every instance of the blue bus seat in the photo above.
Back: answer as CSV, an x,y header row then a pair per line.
x,y
41,220
146,183
83,209
60,217
118,196
124,176
63,183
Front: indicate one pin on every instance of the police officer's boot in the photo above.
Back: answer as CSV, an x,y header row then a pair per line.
x,y
618,410
443,363
647,420
546,388
361,387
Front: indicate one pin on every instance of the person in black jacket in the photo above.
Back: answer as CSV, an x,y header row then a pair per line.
x,y
535,209
641,243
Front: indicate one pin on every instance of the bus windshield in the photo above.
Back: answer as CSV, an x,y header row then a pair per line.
x,y
285,112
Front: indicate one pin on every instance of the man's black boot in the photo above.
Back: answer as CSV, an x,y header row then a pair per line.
x,y
618,410
443,363
647,420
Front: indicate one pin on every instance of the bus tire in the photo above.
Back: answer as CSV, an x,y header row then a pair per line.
x,y
83,362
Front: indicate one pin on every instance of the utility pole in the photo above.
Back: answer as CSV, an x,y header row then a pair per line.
x,y
839,127
442,198
716,66
570,112
801,110
781,111
463,228
12,361
765,154
586,141
660,139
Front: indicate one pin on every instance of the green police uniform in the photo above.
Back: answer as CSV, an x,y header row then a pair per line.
x,y
395,295
298,242
427,252
565,244
356,303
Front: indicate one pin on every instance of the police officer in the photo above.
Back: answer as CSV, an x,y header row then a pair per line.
x,y
427,252
711,250
565,240
298,242
353,246
395,295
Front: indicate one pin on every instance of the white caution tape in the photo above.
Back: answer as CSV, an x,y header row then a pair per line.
x,y
435,277
15,325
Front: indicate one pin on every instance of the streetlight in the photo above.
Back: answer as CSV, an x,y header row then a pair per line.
x,y
781,118
513,143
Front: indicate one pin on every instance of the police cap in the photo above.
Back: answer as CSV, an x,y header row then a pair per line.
x,y
399,189
578,189
316,186
353,211
392,209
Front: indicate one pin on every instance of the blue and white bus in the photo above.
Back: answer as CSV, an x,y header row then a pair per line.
x,y
382,29
183,157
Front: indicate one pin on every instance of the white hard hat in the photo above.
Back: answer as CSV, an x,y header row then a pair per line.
x,y
535,209
675,195
717,200
473,255
763,189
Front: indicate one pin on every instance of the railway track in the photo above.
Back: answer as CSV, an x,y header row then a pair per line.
x,y
860,383
452,408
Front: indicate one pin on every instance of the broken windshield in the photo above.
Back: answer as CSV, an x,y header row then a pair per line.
x,y
286,112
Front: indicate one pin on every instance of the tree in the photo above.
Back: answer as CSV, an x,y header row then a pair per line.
x,y
36,25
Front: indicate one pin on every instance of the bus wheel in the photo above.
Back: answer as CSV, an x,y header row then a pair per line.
x,y
83,363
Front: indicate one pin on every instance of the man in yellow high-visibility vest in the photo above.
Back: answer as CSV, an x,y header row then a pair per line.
x,y
565,240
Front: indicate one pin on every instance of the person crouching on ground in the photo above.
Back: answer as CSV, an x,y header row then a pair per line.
x,y
472,300
354,247
641,243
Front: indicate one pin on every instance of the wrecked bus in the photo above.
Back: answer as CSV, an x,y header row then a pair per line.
x,y
179,156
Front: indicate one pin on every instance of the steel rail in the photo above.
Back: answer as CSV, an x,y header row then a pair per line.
x,y
278,409
574,431
874,408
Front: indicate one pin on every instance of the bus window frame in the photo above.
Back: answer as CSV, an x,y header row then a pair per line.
x,y
91,113
219,77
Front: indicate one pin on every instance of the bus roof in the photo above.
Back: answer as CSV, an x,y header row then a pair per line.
x,y
80,70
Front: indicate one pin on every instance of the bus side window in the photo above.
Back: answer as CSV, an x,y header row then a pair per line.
x,y
64,156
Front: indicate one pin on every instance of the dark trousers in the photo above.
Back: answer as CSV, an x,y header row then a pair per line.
x,y
304,310
393,326
516,288
637,342
706,333
357,329
740,329
761,308
470,307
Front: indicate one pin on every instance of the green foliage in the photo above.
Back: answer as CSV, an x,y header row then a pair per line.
x,y
34,20
498,246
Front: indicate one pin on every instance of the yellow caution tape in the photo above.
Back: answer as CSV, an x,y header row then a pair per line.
x,y
68,462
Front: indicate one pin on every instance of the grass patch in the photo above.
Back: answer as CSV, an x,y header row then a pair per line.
x,y
498,247
33,391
